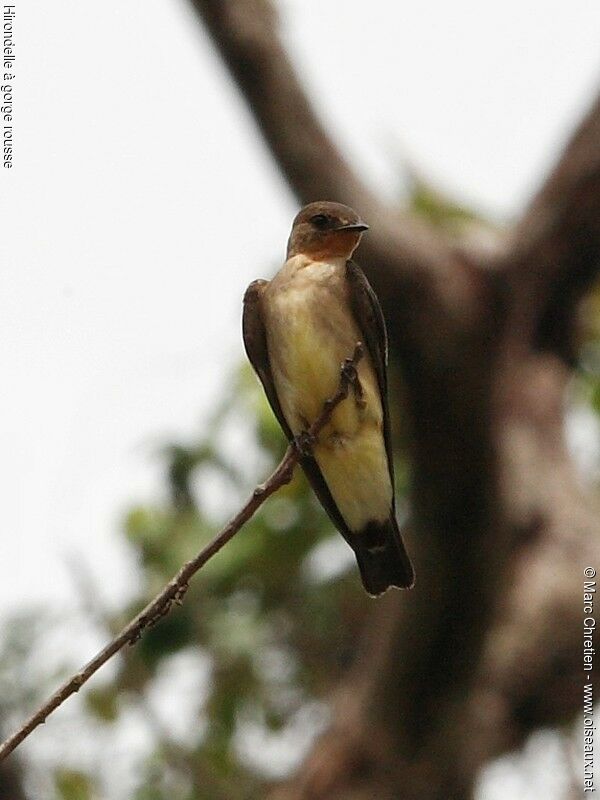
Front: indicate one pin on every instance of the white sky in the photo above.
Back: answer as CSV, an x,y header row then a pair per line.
x,y
142,203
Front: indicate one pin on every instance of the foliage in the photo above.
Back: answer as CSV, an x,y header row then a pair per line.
x,y
274,615
438,208
277,637
268,625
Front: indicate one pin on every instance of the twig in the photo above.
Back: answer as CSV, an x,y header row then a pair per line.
x,y
175,590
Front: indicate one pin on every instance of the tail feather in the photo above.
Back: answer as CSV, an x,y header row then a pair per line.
x,y
382,558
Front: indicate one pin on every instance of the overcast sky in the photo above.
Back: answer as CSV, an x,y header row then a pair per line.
x,y
142,202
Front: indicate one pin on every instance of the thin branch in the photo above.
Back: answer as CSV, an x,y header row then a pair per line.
x,y
175,590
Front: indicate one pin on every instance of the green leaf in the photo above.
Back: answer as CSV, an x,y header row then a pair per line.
x,y
103,703
72,785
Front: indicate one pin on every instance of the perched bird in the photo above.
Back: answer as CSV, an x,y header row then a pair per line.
x,y
298,329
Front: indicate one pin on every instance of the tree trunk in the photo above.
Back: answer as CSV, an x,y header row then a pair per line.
x,y
486,648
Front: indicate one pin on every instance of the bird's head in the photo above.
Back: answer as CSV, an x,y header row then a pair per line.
x,y
325,230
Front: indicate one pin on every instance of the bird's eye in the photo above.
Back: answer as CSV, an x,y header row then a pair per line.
x,y
320,221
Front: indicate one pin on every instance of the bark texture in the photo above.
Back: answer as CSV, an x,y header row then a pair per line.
x,y
487,647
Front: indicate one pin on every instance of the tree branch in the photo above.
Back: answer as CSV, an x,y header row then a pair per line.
x,y
404,257
175,590
397,705
554,255
464,337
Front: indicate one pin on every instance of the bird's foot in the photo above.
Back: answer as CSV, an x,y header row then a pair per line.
x,y
304,443
350,377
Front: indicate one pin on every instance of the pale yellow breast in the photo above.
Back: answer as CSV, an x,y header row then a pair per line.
x,y
310,331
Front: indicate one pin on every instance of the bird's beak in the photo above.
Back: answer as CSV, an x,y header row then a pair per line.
x,y
354,226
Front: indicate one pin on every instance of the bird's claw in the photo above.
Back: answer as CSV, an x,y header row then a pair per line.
x,y
303,443
351,379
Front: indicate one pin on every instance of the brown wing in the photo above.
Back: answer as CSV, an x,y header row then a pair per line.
x,y
255,342
369,318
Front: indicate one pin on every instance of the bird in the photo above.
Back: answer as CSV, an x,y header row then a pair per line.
x,y
298,329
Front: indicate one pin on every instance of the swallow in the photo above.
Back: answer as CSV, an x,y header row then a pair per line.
x,y
298,330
